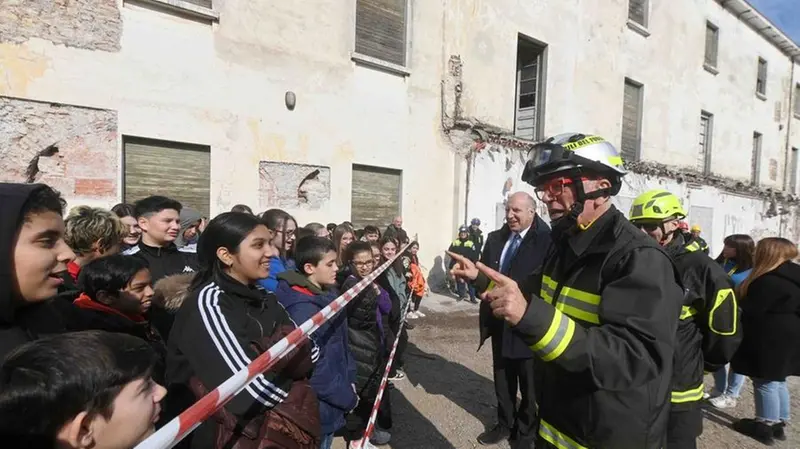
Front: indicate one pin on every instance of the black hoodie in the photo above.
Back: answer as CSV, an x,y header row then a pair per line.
x,y
19,322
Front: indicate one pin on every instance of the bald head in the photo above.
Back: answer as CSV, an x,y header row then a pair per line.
x,y
520,211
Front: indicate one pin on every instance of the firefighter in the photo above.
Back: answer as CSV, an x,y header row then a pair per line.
x,y
708,330
696,230
601,313
464,246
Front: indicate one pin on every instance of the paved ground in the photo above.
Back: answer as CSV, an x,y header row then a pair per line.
x,y
447,398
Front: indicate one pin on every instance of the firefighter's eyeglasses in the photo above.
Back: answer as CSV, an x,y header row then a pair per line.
x,y
554,188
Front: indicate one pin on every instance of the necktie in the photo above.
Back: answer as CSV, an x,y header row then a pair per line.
x,y
512,251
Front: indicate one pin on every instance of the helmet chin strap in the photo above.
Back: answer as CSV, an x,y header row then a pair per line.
x,y
563,225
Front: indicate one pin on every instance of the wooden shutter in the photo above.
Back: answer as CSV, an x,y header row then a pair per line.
x,y
712,42
203,3
797,100
375,196
755,160
631,117
381,30
179,171
761,81
793,172
637,11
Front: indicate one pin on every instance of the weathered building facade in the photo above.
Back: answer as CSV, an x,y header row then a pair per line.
x,y
363,109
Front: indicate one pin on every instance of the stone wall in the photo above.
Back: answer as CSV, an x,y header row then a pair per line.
x,y
73,149
87,24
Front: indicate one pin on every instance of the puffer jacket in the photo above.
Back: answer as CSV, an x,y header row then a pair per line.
x,y
365,338
335,372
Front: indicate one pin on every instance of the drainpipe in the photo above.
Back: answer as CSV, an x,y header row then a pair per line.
x,y
470,160
787,163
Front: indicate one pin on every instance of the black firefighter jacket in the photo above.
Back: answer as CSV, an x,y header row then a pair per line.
x,y
529,257
602,318
708,331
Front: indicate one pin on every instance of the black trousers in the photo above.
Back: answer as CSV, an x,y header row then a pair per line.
x,y
510,375
684,427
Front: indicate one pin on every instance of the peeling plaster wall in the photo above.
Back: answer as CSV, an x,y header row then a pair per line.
x,y
729,213
89,24
223,85
586,68
71,148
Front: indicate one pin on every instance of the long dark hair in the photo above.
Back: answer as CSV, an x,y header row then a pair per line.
x,y
275,220
397,266
226,230
745,251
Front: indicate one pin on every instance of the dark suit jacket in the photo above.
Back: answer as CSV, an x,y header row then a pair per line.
x,y
529,257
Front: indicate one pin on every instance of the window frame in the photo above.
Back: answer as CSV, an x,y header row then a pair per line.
x,y
378,63
541,83
794,164
711,66
639,119
645,23
796,105
761,85
755,159
708,141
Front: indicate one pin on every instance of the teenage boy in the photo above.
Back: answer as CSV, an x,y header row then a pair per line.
x,y
304,292
79,391
33,261
159,219
91,232
371,234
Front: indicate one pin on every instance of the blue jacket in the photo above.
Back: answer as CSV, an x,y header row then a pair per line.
x,y
335,371
276,267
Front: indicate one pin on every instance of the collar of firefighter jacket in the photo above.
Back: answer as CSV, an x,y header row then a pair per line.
x,y
592,237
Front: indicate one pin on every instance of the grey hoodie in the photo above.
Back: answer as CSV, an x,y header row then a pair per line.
x,y
189,217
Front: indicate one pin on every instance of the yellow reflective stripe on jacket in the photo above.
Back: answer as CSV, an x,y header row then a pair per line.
x,y
557,338
693,395
722,295
688,312
579,304
466,244
694,246
556,438
548,289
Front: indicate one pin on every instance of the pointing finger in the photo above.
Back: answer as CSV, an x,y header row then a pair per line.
x,y
457,257
494,275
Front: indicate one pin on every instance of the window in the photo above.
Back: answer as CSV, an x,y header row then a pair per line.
x,y
712,44
530,89
793,173
631,120
797,100
706,134
381,30
761,80
179,170
375,196
637,12
755,174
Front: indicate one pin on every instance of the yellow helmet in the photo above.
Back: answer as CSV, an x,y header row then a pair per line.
x,y
656,205
697,228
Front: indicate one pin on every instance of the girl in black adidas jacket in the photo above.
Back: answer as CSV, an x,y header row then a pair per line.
x,y
226,321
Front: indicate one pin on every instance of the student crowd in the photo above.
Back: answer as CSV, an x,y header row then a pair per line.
x,y
112,322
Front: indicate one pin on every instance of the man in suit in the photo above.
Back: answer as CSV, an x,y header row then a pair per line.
x,y
516,250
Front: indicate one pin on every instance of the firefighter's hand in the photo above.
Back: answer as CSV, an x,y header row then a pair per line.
x,y
464,268
505,298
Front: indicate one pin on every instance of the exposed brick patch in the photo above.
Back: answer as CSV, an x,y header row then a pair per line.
x,y
86,161
87,24
296,186
95,188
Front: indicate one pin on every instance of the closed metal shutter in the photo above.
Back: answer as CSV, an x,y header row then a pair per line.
x,y
381,30
375,197
631,121
176,170
637,11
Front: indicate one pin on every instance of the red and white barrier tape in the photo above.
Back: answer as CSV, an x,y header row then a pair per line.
x,y
384,381
177,429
